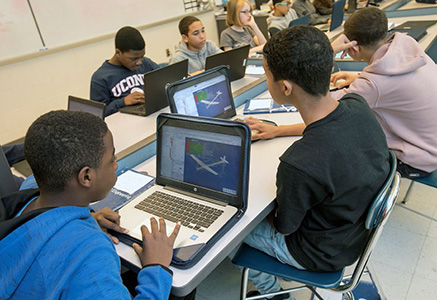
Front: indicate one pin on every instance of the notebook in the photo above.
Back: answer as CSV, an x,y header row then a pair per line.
x,y
337,16
154,88
93,107
207,94
235,58
202,173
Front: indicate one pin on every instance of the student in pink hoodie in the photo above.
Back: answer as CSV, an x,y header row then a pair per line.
x,y
399,84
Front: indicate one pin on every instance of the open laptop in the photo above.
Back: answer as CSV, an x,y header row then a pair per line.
x,y
93,107
235,58
202,173
207,94
337,16
154,88
415,24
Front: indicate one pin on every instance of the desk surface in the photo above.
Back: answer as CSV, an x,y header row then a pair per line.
x,y
262,191
414,5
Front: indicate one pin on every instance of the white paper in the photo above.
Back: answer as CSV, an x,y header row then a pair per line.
x,y
254,70
130,181
260,104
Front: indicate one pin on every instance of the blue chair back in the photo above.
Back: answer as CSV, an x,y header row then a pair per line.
x,y
7,183
305,20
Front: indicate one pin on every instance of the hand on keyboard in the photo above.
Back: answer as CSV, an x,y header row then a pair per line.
x,y
157,246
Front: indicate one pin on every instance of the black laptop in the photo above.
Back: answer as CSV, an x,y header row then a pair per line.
x,y
415,24
92,107
415,33
337,16
235,58
305,20
154,88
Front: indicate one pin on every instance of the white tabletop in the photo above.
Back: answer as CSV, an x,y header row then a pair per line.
x,y
414,5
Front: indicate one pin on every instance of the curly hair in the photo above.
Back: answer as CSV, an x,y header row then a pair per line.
x,y
60,143
303,55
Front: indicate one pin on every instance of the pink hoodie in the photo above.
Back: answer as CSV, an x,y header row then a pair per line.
x,y
400,86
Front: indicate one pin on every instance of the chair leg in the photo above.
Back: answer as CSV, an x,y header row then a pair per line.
x,y
407,195
244,280
375,280
349,295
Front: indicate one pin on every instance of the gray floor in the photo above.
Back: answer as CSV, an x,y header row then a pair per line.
x,y
405,258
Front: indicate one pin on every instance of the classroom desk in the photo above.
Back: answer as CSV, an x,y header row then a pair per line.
x,y
262,191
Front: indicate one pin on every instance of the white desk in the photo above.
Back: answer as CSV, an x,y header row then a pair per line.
x,y
262,191
432,30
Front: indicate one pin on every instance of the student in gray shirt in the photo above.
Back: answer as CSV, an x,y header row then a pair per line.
x,y
242,28
304,7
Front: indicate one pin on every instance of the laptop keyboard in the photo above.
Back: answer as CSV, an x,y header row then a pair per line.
x,y
140,108
190,214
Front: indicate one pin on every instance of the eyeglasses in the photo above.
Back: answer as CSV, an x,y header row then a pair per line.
x,y
284,3
246,12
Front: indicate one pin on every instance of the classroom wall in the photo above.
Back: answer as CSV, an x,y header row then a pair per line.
x,y
35,86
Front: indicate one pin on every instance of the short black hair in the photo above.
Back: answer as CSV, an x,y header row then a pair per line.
x,y
129,38
184,24
367,26
60,143
303,55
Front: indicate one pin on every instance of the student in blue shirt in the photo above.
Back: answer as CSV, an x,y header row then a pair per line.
x,y
50,245
119,81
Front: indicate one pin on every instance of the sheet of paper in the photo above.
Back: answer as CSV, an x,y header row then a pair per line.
x,y
254,70
260,104
130,181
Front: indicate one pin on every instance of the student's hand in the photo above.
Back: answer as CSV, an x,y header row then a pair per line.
x,y
195,73
109,219
265,131
157,246
346,76
252,22
134,98
342,43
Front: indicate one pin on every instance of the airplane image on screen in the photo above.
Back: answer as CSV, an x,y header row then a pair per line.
x,y
208,166
212,102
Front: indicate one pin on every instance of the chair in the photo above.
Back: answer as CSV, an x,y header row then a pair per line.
x,y
305,20
430,180
273,31
7,182
377,215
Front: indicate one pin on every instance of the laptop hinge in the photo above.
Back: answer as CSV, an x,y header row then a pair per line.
x,y
195,196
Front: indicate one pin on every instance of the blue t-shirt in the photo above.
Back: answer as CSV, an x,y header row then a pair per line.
x,y
111,83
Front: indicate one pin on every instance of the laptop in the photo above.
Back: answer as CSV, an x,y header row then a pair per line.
x,y
207,94
202,173
415,24
415,33
154,88
337,16
235,58
93,107
431,51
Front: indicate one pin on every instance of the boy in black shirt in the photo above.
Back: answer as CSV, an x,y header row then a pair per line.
x,y
327,180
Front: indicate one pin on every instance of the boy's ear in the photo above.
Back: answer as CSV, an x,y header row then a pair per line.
x,y
118,52
184,38
85,177
287,87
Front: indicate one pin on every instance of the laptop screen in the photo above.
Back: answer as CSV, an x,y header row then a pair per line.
x,y
206,95
203,158
337,14
92,107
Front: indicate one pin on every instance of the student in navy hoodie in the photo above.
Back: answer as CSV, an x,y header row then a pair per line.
x,y
50,245
119,81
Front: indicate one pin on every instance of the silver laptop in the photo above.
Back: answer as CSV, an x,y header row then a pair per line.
x,y
93,107
201,178
154,88
207,94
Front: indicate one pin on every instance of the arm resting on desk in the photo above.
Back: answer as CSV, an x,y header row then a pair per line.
x,y
267,131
